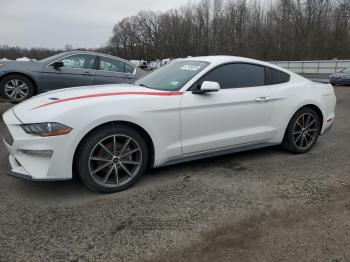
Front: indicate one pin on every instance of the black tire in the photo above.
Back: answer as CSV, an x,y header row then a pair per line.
x,y
91,145
27,88
290,140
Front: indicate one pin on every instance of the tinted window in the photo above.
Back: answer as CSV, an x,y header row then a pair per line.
x,y
274,76
237,75
113,65
82,61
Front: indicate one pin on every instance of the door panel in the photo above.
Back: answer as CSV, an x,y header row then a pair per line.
x,y
66,77
230,117
112,71
78,70
105,77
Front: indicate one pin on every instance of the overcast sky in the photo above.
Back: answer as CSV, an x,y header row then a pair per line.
x,y
82,23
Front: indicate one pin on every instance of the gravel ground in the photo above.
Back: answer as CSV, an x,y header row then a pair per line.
x,y
261,205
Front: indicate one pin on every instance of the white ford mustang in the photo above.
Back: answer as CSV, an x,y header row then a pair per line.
x,y
189,109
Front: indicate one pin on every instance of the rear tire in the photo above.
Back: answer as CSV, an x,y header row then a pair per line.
x,y
302,131
112,158
16,88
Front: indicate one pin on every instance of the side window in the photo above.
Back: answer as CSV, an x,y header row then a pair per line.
x,y
112,65
129,69
237,75
274,76
80,61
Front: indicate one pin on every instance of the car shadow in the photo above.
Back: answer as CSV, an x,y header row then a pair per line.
x,y
235,161
63,191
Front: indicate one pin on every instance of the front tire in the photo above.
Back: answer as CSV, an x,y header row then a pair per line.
x,y
112,158
302,131
16,88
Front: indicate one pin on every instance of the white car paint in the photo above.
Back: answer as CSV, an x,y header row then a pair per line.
x,y
181,125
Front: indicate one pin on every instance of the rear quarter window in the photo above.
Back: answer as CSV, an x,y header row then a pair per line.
x,y
275,76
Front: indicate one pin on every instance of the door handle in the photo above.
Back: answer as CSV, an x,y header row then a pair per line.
x,y
87,73
262,99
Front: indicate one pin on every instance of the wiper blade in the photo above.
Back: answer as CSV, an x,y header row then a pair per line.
x,y
144,85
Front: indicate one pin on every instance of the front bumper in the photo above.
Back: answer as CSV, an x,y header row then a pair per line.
x,y
328,123
20,172
37,158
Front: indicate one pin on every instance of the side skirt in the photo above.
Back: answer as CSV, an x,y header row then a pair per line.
x,y
218,152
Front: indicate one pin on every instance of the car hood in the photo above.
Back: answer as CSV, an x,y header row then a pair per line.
x,y
48,106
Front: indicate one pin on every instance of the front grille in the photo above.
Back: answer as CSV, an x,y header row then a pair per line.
x,y
6,133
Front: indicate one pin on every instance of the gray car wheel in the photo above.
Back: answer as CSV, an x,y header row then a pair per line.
x,y
16,88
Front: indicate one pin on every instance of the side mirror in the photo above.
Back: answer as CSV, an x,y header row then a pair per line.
x,y
207,86
57,64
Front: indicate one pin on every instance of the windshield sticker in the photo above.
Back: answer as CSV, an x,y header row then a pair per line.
x,y
174,83
190,67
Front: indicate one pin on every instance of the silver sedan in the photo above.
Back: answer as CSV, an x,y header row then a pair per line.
x,y
19,80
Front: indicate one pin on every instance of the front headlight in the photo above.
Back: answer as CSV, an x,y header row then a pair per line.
x,y
1,65
46,129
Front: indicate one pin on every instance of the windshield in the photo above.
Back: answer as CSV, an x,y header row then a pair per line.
x,y
172,76
346,70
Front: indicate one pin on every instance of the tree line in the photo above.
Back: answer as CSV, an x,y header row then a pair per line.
x,y
274,30
267,30
14,52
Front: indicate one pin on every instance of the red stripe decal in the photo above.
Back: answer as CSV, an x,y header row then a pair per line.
x,y
112,94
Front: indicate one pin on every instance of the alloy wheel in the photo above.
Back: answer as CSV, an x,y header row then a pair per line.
x,y
305,131
115,160
16,89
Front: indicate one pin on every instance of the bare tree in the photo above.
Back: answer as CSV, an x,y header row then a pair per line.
x,y
277,30
284,29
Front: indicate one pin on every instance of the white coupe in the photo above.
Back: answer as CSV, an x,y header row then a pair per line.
x,y
189,109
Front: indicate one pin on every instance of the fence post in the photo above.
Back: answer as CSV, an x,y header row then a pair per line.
x,y
302,67
336,66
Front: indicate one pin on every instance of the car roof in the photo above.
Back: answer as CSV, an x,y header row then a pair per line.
x,y
83,52
221,59
93,53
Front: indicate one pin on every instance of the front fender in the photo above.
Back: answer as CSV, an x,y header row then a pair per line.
x,y
35,77
160,120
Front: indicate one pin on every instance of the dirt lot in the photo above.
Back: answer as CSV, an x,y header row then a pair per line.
x,y
262,205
